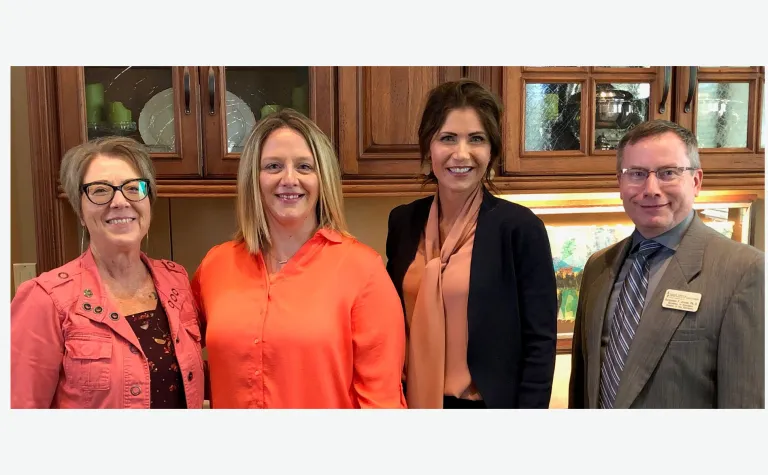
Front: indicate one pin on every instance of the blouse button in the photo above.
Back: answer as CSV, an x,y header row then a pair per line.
x,y
257,372
256,341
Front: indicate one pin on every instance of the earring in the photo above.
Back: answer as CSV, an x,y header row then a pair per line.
x,y
426,169
82,238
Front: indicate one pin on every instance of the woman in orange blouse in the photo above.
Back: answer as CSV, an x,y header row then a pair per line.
x,y
295,312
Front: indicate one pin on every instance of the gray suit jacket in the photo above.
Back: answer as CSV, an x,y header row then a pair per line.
x,y
711,358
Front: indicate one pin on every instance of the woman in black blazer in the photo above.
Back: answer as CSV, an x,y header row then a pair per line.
x,y
474,272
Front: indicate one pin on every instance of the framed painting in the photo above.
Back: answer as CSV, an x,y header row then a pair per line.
x,y
571,247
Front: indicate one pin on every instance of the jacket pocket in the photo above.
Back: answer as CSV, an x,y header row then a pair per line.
x,y
88,360
193,331
194,375
688,335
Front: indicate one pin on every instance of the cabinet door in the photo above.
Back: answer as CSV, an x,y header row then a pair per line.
x,y
155,105
235,98
568,120
379,114
723,106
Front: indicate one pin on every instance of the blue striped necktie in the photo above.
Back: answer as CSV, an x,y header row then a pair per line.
x,y
629,306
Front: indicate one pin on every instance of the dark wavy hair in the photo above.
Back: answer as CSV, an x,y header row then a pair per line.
x,y
458,95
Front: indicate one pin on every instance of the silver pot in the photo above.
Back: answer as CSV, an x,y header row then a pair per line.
x,y
613,107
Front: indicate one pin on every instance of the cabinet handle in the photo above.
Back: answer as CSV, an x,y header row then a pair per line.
x,y
211,91
186,91
691,88
667,79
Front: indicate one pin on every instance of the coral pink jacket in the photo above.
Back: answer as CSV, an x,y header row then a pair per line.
x,y
70,347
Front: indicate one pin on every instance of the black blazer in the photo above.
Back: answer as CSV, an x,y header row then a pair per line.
x,y
512,307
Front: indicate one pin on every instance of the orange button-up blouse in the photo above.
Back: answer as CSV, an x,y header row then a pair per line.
x,y
326,331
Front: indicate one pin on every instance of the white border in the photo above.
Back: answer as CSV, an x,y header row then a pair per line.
x,y
374,33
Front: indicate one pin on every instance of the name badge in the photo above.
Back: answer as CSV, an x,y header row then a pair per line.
x,y
681,300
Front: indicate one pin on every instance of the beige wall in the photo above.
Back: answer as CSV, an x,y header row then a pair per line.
x,y
185,229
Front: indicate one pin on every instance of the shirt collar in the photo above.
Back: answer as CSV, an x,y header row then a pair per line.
x,y
669,239
329,234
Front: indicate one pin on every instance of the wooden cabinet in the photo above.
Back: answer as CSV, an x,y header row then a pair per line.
x,y
560,124
100,101
568,120
379,114
228,94
724,107
194,119
552,133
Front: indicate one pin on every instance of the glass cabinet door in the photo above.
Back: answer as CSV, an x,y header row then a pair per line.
x,y
722,114
721,106
617,108
116,97
235,98
552,116
154,105
572,118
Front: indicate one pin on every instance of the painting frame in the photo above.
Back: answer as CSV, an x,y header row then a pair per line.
x,y
572,241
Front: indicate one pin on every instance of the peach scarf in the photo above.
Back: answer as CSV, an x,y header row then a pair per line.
x,y
425,367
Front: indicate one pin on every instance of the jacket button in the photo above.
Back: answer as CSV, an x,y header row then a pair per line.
x,y
134,350
98,309
88,293
135,390
189,376
63,275
86,306
114,316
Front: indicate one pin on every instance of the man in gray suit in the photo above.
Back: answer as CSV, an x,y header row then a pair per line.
x,y
674,315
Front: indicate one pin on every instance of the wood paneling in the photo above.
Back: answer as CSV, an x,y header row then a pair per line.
x,y
380,110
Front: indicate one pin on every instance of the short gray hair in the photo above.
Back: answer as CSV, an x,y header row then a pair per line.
x,y
654,128
77,159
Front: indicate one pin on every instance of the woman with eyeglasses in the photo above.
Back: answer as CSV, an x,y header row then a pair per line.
x,y
112,328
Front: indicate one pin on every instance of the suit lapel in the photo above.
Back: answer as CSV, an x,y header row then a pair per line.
x,y
614,257
658,324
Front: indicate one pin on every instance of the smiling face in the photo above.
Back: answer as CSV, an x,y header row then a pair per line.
x,y
288,180
119,224
653,206
460,152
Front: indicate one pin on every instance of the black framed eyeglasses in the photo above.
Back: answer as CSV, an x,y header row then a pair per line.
x,y
101,192
637,176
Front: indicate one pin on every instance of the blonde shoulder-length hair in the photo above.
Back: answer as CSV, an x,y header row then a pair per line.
x,y
252,226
